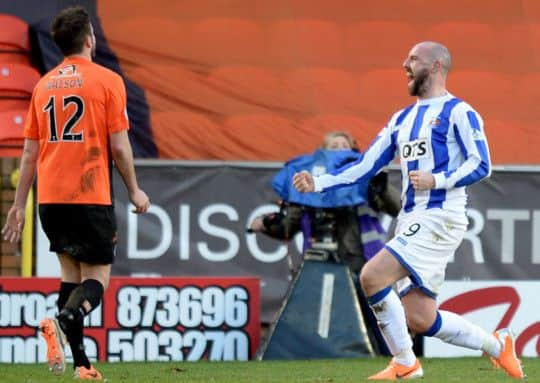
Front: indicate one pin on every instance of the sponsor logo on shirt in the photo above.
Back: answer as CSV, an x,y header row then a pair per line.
x,y
435,121
415,150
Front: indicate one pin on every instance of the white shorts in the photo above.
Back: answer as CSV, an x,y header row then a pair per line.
x,y
423,243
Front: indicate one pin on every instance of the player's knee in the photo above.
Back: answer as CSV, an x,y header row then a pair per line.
x,y
368,281
418,323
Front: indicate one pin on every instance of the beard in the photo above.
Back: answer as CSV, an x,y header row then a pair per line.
x,y
420,83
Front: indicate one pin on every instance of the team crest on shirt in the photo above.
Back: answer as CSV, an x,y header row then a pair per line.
x,y
478,135
68,70
66,77
415,150
435,122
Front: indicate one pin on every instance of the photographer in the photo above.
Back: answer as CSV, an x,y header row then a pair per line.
x,y
344,222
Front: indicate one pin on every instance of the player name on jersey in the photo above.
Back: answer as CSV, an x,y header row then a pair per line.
x,y
64,83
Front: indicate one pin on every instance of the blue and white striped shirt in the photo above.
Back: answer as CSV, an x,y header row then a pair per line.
x,y
443,136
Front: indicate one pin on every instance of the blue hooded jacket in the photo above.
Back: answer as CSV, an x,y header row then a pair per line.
x,y
320,162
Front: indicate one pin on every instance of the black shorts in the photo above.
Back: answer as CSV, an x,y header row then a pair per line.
x,y
86,232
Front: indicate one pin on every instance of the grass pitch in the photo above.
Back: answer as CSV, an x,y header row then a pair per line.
x,y
462,370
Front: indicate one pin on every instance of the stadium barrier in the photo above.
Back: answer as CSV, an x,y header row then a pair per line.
x,y
196,227
141,319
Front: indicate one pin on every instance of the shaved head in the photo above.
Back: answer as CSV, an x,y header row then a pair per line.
x,y
427,67
436,52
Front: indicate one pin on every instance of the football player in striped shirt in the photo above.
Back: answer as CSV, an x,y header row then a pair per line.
x,y
442,149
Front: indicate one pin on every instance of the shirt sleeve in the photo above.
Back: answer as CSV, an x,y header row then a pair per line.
x,y
378,155
31,128
117,117
469,132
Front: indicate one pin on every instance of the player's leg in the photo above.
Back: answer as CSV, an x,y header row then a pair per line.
x,y
95,236
50,328
376,278
83,300
71,278
51,219
424,318
429,263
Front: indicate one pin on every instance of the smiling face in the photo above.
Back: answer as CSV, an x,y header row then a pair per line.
x,y
418,66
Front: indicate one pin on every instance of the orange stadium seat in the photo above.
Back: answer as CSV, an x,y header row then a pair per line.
x,y
11,133
533,34
17,80
517,44
166,44
169,87
384,91
526,96
186,134
472,45
225,41
306,42
521,148
14,40
490,93
388,51
266,137
16,84
253,85
422,11
7,104
321,90
531,10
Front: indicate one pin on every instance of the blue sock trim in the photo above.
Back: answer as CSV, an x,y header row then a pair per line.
x,y
435,327
377,297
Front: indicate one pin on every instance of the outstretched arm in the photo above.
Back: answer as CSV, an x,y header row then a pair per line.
x,y
378,155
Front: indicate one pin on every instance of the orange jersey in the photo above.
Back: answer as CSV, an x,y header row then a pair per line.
x,y
74,109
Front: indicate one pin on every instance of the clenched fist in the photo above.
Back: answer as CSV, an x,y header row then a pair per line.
x,y
421,180
303,182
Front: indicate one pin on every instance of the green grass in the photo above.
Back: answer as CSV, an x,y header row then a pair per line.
x,y
462,370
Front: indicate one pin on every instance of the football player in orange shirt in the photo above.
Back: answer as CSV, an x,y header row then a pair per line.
x,y
77,124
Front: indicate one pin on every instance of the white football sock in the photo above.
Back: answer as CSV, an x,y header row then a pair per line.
x,y
388,310
456,330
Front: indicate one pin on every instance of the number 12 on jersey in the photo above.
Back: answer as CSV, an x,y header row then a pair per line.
x,y
70,122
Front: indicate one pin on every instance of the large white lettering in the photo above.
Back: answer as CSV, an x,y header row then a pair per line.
x,y
508,217
159,227
473,235
183,236
216,231
251,239
164,227
535,258
28,309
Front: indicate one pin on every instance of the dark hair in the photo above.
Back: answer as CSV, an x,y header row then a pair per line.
x,y
70,29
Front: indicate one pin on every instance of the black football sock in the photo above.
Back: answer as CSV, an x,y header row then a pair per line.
x,y
72,325
86,297
80,303
65,290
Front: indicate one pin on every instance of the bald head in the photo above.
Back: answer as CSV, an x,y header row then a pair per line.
x,y
436,52
427,66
